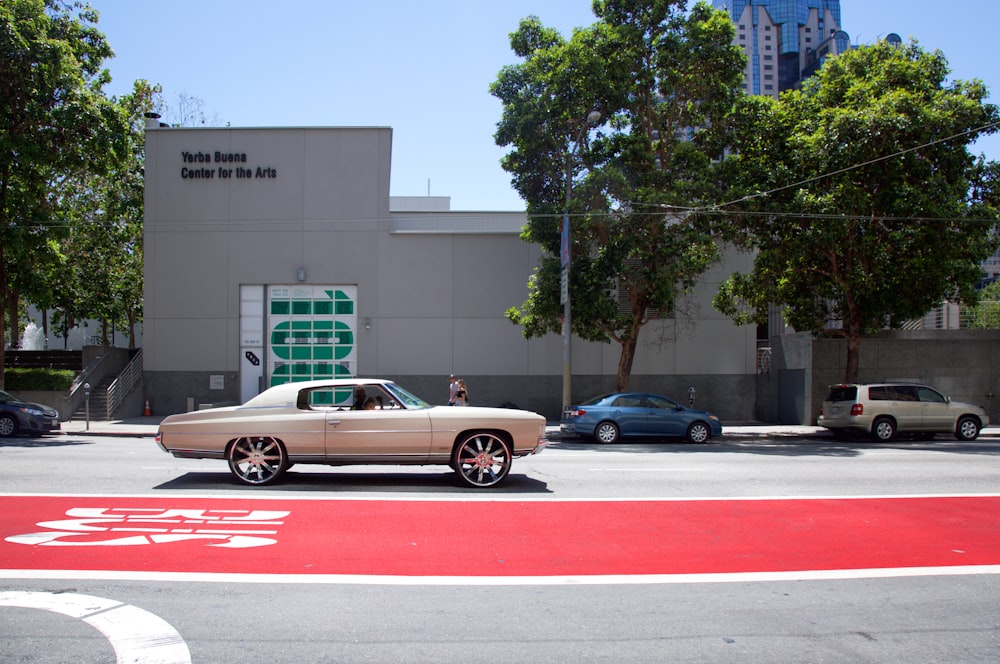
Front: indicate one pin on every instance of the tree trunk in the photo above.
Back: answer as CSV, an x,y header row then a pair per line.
x,y
853,358
11,304
626,358
131,329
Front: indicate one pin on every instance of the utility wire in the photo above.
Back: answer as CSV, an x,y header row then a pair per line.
x,y
826,175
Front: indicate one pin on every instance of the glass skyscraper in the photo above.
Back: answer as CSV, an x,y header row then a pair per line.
x,y
785,41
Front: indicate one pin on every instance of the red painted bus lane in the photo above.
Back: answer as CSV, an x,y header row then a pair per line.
x,y
495,538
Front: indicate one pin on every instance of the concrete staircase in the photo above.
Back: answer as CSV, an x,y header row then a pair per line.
x,y
98,402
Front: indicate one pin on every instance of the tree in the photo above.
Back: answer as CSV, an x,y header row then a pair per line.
x,y
104,247
664,81
856,194
54,122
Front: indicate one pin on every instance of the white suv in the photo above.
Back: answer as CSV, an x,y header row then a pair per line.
x,y
885,409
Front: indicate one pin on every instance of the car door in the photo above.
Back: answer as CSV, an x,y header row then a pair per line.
x,y
663,417
906,407
935,410
629,414
385,432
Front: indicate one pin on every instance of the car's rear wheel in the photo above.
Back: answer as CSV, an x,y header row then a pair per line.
x,y
884,429
482,459
607,432
967,429
257,460
699,432
8,425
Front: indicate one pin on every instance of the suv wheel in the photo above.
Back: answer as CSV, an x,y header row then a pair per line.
x,y
884,429
967,429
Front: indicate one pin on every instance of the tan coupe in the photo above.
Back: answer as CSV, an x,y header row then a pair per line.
x,y
353,421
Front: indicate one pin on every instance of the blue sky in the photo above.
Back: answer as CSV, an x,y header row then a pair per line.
x,y
424,68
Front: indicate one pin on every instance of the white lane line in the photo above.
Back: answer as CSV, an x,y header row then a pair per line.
x,y
464,497
138,637
605,579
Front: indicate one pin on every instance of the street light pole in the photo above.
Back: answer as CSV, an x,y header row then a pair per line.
x,y
566,259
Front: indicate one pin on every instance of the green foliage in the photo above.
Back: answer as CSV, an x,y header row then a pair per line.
x,y
55,123
664,81
39,380
985,314
875,212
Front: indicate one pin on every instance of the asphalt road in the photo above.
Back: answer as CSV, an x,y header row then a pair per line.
x,y
931,616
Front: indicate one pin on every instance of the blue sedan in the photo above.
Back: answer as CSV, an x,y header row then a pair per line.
x,y
609,417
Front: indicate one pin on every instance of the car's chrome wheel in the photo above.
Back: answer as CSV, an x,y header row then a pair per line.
x,y
257,460
884,429
699,433
482,459
967,429
607,432
8,425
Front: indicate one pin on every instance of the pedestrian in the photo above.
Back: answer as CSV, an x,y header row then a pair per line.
x,y
452,389
462,394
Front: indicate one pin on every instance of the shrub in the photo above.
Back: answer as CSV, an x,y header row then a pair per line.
x,y
38,380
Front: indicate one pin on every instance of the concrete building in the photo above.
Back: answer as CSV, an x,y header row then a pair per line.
x,y
277,254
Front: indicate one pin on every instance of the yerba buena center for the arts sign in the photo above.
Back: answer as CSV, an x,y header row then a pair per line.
x,y
219,165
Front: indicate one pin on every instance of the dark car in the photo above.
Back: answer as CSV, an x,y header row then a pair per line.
x,y
18,416
638,415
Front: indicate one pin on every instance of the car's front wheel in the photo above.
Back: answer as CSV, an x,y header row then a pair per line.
x,y
482,459
258,460
607,432
967,429
699,432
8,425
884,429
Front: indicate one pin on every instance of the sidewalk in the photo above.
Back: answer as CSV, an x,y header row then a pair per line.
x,y
145,427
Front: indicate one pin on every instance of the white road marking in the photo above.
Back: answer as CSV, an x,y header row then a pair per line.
x,y
138,637
596,579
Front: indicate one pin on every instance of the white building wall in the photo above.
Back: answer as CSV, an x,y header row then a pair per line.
x,y
432,284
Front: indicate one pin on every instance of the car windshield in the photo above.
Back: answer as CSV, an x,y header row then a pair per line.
x,y
7,397
408,400
595,400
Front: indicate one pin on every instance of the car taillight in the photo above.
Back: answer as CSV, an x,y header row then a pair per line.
x,y
575,412
857,409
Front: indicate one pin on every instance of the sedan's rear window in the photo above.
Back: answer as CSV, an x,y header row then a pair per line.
x,y
843,393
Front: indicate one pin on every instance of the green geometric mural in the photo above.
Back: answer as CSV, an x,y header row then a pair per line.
x,y
311,333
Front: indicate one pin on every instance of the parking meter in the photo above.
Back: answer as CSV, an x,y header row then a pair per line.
x,y
86,394
690,396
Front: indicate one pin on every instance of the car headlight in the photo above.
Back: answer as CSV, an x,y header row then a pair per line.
x,y
32,411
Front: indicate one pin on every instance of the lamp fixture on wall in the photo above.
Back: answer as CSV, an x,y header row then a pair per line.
x,y
301,274
368,324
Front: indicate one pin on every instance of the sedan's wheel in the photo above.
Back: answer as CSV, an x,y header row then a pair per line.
x,y
884,429
257,460
607,432
699,433
967,429
8,425
482,459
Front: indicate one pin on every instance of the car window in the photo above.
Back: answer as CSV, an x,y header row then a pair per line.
x,y
660,402
881,393
843,393
929,395
905,393
626,401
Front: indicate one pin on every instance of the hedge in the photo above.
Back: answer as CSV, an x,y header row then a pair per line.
x,y
38,380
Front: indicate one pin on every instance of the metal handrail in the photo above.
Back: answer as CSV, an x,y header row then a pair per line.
x,y
121,386
88,370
